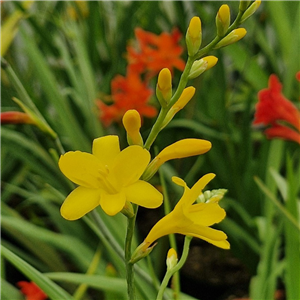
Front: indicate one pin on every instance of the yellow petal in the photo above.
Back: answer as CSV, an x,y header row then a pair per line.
x,y
183,148
206,214
143,194
106,148
112,203
203,231
196,190
81,201
82,168
164,226
224,244
129,165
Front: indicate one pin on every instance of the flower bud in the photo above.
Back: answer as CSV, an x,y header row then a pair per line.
x,y
180,149
172,259
234,36
164,87
132,124
183,100
194,36
127,210
244,5
15,117
251,10
223,20
201,65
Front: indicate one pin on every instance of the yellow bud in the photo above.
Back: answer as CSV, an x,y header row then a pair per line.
x,y
194,36
172,259
251,10
223,20
201,65
132,124
234,36
180,149
164,87
184,98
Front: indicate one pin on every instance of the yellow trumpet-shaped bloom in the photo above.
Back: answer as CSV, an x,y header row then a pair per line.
x,y
108,177
191,219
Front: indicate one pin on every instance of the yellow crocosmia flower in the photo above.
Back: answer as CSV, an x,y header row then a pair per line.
x,y
191,219
108,177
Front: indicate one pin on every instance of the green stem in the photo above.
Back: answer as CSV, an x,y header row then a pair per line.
x,y
172,240
179,265
129,266
182,84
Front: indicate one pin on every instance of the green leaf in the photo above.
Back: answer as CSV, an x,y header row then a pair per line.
x,y
48,286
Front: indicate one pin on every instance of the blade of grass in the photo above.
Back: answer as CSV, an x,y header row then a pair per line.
x,y
48,286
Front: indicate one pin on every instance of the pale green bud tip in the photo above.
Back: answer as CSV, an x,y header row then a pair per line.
x,y
172,259
223,20
141,251
234,36
201,65
244,5
251,10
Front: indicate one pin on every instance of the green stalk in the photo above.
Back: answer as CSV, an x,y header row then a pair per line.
x,y
179,265
167,210
130,266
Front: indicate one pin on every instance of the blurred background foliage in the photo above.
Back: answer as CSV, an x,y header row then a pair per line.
x,y
65,54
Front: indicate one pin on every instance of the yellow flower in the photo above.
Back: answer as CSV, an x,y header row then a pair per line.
x,y
234,36
191,219
108,177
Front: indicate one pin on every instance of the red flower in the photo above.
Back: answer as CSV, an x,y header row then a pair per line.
x,y
15,117
155,52
31,291
127,93
275,110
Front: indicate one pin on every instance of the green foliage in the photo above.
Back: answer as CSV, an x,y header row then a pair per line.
x,y
58,66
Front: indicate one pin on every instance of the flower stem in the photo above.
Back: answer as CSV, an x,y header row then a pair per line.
x,y
169,273
130,266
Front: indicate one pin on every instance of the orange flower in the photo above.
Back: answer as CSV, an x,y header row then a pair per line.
x,y
275,110
155,52
15,117
128,92
31,291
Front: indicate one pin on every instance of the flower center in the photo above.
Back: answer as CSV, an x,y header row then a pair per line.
x,y
104,182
